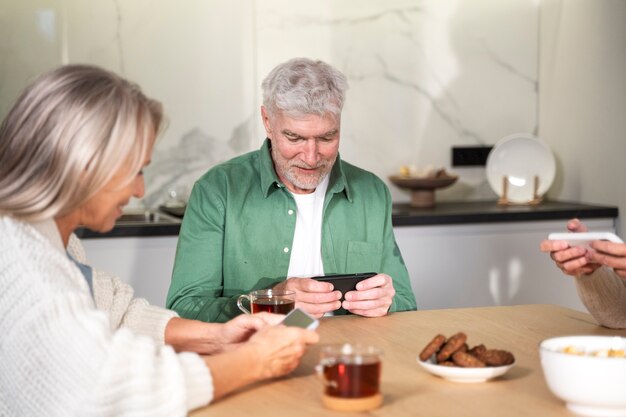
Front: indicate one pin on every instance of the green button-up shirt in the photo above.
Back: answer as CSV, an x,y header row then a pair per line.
x,y
238,229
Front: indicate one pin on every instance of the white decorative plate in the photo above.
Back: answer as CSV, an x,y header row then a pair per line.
x,y
520,157
457,374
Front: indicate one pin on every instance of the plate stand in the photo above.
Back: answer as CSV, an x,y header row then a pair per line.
x,y
504,201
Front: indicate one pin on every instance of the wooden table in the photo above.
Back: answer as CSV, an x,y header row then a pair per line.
x,y
411,391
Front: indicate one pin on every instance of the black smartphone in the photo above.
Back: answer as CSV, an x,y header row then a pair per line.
x,y
298,318
345,282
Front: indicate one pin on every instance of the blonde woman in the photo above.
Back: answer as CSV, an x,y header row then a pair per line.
x,y
74,340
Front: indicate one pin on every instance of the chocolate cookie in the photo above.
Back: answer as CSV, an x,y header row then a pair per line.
x,y
452,345
496,357
477,350
433,347
466,360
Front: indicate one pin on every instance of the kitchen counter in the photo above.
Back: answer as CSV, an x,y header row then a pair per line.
x,y
171,227
444,213
473,212
486,254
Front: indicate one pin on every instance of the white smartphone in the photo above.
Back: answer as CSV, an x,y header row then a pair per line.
x,y
584,239
298,318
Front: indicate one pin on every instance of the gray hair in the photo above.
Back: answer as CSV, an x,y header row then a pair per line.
x,y
67,135
302,86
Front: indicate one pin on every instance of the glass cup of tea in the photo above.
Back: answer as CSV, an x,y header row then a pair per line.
x,y
272,301
351,375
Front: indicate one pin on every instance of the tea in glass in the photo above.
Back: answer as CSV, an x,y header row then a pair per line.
x,y
272,301
351,375
273,305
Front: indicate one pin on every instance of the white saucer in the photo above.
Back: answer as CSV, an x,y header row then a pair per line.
x,y
520,157
458,374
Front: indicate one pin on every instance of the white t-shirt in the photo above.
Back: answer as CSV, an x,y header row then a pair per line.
x,y
306,251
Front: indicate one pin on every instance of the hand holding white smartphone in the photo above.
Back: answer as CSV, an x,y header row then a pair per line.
x,y
298,318
584,239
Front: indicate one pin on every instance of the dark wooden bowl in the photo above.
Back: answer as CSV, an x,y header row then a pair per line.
x,y
423,189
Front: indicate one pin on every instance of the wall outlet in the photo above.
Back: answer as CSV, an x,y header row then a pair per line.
x,y
463,156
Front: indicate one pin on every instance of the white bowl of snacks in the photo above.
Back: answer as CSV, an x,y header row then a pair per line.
x,y
587,372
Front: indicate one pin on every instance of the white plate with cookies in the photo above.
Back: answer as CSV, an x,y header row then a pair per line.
x,y
451,358
458,374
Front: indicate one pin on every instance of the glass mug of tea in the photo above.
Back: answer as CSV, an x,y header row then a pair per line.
x,y
351,375
272,301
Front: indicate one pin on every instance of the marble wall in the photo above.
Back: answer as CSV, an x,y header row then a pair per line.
x,y
424,75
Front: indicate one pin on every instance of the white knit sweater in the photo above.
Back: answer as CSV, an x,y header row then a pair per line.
x,y
61,355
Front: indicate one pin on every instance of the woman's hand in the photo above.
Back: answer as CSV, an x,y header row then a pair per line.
x,y
211,338
271,352
242,327
279,349
609,254
575,260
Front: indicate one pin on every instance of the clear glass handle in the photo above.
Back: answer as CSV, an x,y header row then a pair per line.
x,y
319,371
240,303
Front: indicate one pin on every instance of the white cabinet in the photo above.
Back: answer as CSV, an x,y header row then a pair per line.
x,y
487,264
144,262
450,266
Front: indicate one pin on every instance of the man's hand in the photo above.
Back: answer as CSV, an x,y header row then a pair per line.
x,y
314,297
575,260
372,298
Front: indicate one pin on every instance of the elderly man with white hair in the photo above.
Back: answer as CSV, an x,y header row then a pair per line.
x,y
289,211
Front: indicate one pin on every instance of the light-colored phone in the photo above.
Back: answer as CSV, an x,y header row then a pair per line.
x,y
584,239
298,318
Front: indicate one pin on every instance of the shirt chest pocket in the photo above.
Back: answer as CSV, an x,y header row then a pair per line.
x,y
364,257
